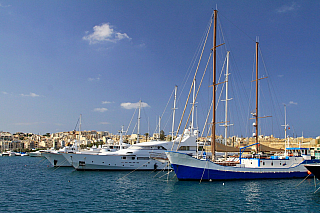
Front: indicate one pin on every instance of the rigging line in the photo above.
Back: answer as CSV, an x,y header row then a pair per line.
x,y
76,124
225,40
239,76
192,85
195,99
134,128
250,96
240,85
272,87
134,170
206,122
193,61
131,119
165,110
203,39
239,107
237,27
211,102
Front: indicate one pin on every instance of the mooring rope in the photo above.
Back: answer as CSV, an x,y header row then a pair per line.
x,y
303,180
134,170
203,171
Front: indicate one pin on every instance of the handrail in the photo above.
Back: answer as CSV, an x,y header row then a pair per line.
x,y
243,148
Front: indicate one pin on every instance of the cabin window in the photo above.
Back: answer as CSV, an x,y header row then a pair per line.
x,y
263,163
133,158
123,158
271,163
185,148
142,158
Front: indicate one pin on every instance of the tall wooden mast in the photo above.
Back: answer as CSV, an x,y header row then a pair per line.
x,y
257,91
213,130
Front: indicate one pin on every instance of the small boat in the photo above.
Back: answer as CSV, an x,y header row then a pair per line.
x,y
8,153
17,154
3,154
314,169
35,154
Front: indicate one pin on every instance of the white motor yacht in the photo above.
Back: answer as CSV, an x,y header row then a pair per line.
x,y
136,157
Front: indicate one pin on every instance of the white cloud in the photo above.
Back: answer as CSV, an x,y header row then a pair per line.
x,y
100,109
293,103
5,5
5,93
107,102
133,105
94,79
31,94
288,8
105,33
28,124
104,123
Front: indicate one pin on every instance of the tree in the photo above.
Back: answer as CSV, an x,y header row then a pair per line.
x,y
147,135
162,135
47,134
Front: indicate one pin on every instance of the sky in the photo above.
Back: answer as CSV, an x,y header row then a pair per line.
x,y
60,59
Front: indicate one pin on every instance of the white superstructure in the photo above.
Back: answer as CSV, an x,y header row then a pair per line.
x,y
135,157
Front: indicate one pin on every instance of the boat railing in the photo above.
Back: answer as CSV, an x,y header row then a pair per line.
x,y
158,156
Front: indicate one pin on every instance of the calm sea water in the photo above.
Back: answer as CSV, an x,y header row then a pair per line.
x,y
33,185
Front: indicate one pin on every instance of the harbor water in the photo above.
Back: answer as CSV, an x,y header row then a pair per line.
x,y
33,185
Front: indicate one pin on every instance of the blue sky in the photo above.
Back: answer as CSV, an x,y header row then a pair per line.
x,y
60,59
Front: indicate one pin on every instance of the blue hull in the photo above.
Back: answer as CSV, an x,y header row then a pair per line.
x,y
191,173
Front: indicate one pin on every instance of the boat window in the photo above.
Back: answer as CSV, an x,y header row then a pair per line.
x,y
133,158
185,148
271,163
142,158
123,158
140,147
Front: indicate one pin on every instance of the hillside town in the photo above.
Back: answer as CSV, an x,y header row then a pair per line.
x,y
28,141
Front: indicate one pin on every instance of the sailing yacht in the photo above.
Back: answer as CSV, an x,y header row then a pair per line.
x,y
190,168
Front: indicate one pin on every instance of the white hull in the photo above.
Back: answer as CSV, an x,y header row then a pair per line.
x,y
35,154
56,159
113,162
136,157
